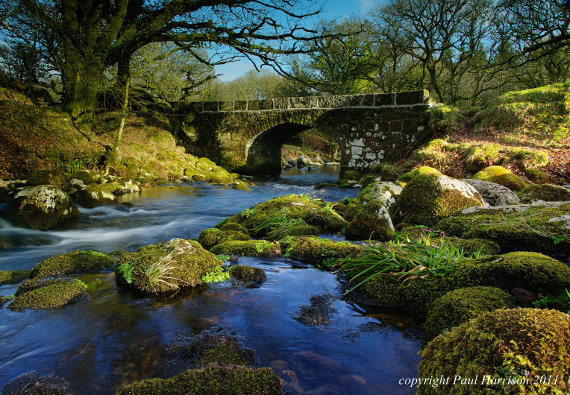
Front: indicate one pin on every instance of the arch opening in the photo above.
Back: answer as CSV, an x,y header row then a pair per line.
x,y
264,152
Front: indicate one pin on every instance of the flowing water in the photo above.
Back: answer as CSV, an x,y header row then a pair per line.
x,y
114,338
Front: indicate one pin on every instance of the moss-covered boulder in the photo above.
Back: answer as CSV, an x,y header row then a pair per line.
x,y
44,206
460,305
470,246
248,248
537,176
494,194
51,296
500,175
542,228
13,277
319,251
546,193
430,196
373,222
213,236
384,193
414,296
74,262
87,176
528,270
285,212
508,351
95,195
211,380
56,178
166,267
248,274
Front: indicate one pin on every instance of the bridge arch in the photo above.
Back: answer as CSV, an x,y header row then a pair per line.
x,y
263,151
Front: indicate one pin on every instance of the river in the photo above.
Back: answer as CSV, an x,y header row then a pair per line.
x,y
115,338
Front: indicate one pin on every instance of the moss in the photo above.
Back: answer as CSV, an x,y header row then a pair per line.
x,y
74,262
248,248
414,296
516,344
13,277
241,186
537,176
423,170
321,252
166,267
430,196
236,227
56,178
541,229
95,195
213,236
367,180
545,192
500,175
477,157
293,228
287,210
390,173
444,119
528,270
373,222
248,274
211,380
221,176
460,305
384,192
51,296
485,247
30,285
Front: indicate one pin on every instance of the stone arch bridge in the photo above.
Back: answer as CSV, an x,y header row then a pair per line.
x,y
247,136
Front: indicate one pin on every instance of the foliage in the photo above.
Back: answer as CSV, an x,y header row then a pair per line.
x,y
217,275
560,301
404,258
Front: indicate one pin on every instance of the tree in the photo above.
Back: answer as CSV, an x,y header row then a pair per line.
x,y
92,35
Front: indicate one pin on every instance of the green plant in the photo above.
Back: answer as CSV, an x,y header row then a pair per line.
x,y
404,258
127,271
217,275
560,301
156,276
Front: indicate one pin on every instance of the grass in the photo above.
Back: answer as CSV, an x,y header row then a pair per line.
x,y
404,258
217,275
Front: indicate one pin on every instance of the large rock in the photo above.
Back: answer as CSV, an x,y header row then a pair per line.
x,y
494,194
382,192
430,196
94,195
511,351
44,206
51,294
166,267
546,193
373,222
502,176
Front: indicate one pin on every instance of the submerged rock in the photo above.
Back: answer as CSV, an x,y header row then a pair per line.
x,y
166,267
319,312
248,248
34,384
13,277
494,194
430,196
212,236
517,346
44,206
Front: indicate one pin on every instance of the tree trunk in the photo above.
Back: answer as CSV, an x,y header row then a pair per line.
x,y
82,76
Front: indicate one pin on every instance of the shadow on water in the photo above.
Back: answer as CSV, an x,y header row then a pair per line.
x,y
115,338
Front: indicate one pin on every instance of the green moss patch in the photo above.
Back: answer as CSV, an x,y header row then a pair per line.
x,y
51,296
248,274
248,248
166,267
384,192
520,345
211,380
281,214
500,175
545,192
13,277
532,228
213,236
319,251
74,262
460,305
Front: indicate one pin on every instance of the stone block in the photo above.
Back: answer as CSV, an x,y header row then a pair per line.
x,y
415,97
226,106
332,101
253,105
240,105
281,104
266,104
211,106
360,100
304,102
384,99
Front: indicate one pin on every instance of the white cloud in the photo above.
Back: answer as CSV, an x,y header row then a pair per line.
x,y
231,71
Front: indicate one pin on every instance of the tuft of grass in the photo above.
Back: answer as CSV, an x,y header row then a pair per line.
x,y
404,258
217,275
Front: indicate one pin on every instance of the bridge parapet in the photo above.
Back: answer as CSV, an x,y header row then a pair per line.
x,y
382,100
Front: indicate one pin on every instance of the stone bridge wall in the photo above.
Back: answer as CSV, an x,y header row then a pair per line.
x,y
247,135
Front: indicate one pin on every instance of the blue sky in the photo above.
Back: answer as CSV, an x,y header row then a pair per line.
x,y
332,9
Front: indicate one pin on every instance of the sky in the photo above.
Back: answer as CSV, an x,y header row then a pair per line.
x,y
333,9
